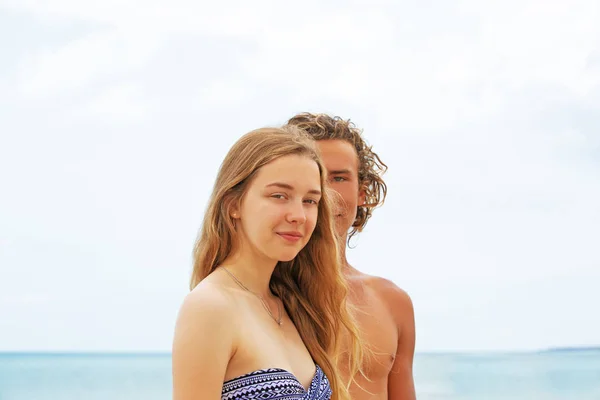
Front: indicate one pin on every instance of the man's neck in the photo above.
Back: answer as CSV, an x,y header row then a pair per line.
x,y
347,269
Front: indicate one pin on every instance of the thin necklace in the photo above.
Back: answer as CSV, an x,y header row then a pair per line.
x,y
262,300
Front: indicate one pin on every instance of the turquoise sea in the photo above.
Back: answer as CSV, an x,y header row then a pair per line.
x,y
568,375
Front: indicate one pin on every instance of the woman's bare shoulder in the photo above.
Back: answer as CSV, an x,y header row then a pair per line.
x,y
207,303
204,342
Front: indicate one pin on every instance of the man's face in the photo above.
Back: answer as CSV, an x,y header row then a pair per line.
x,y
341,163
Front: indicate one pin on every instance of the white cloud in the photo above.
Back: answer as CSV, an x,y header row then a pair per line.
x,y
222,93
124,101
485,113
73,67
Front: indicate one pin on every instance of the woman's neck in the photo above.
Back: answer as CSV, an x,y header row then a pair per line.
x,y
251,270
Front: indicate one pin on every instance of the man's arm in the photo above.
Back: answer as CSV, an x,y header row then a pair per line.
x,y
401,384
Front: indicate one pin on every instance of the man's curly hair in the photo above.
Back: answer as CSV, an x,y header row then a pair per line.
x,y
370,166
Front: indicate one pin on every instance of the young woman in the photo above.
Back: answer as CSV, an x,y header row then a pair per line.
x,y
267,310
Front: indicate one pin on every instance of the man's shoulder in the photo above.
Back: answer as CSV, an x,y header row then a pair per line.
x,y
396,299
390,291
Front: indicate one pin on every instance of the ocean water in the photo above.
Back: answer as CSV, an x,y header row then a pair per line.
x,y
516,376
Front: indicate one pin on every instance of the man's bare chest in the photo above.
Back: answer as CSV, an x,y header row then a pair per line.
x,y
380,333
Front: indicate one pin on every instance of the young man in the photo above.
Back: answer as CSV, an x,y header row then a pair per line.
x,y
385,312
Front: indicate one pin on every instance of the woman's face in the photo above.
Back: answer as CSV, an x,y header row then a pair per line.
x,y
279,210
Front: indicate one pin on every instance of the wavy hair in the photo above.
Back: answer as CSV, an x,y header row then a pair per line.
x,y
311,286
370,166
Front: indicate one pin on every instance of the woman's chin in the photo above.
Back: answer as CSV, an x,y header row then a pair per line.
x,y
287,256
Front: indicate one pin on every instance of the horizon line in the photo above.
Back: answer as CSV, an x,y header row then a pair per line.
x,y
168,352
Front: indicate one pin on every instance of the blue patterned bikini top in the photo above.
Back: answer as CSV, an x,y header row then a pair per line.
x,y
275,384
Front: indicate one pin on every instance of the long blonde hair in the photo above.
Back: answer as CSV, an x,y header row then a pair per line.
x,y
311,286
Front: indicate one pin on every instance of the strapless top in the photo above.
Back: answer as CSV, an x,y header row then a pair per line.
x,y
275,384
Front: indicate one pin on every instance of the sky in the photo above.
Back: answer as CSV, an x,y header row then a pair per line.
x,y
115,116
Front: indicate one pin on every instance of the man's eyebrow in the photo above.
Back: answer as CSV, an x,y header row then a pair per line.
x,y
290,187
339,172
